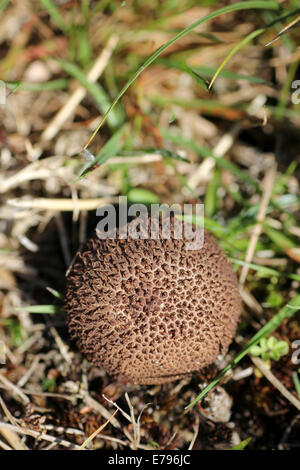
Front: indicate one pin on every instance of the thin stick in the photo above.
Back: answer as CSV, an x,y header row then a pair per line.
x,y
219,151
61,205
37,435
100,408
114,439
4,446
196,431
134,424
51,394
29,372
138,159
7,412
8,385
63,349
275,382
267,183
62,430
52,166
11,437
139,424
120,409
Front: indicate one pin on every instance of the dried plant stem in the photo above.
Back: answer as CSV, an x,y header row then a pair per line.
x,y
196,431
10,436
16,391
4,446
205,168
267,184
118,408
39,436
92,436
61,205
100,408
275,382
64,350
22,381
135,425
78,95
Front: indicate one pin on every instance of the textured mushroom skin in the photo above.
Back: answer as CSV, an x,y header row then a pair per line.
x,y
150,311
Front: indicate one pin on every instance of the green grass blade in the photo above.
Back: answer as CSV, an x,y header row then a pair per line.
x,y
286,312
242,43
285,92
167,154
205,152
209,72
238,6
4,4
209,106
110,149
142,196
241,445
95,89
265,271
211,194
234,51
209,224
279,238
54,292
57,84
296,383
43,309
55,15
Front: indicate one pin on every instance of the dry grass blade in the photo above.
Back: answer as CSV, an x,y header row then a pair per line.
x,y
7,412
64,350
92,436
74,100
11,436
196,431
39,436
135,425
126,415
100,408
61,205
204,170
14,390
4,446
285,30
275,382
267,185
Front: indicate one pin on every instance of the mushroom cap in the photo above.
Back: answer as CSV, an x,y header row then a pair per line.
x,y
151,311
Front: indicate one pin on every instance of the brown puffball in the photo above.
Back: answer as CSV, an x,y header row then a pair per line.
x,y
151,311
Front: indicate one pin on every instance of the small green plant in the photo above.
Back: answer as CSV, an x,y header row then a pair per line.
x,y
48,384
15,331
270,348
241,445
288,311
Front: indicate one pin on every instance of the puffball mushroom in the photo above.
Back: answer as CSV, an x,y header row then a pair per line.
x,y
150,311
